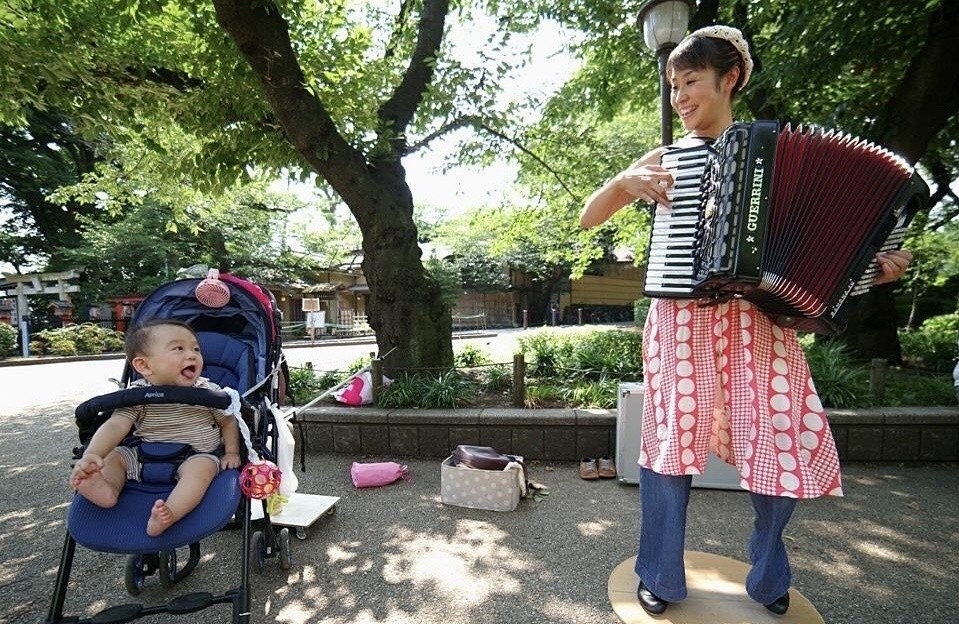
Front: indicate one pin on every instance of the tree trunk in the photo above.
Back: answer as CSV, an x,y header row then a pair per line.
x,y
920,107
411,322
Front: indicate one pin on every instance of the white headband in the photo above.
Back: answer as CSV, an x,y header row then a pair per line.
x,y
733,36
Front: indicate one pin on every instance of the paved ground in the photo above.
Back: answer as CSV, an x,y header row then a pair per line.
x,y
887,552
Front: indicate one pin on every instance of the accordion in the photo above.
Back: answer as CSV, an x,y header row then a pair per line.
x,y
790,220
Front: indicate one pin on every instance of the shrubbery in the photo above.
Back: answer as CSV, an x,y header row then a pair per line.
x,y
583,368
8,339
590,354
933,345
83,339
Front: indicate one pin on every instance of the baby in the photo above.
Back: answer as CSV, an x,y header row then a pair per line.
x,y
165,353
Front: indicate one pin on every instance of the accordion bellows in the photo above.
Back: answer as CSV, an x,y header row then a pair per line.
x,y
788,219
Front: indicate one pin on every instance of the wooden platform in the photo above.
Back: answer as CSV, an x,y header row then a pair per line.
x,y
300,512
716,595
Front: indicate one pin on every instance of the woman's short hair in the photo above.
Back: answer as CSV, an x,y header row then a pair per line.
x,y
699,52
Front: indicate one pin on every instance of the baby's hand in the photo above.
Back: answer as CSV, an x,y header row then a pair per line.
x,y
87,465
230,460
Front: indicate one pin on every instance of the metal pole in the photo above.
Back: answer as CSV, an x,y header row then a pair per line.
x,y
666,110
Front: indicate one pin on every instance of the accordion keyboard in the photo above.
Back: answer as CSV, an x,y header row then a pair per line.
x,y
670,263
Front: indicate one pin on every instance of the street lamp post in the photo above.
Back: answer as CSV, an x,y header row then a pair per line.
x,y
664,24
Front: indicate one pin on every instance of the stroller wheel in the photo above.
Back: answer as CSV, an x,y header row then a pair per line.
x,y
135,574
283,545
167,565
259,550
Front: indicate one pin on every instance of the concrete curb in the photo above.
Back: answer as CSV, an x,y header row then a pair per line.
x,y
920,434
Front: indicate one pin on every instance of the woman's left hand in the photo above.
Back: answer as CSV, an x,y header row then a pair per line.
x,y
893,265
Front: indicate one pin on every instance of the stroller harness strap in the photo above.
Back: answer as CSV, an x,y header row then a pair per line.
x,y
161,460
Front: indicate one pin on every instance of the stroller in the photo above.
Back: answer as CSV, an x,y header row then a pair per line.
x,y
240,342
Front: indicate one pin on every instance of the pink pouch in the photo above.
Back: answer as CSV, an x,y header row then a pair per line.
x,y
376,473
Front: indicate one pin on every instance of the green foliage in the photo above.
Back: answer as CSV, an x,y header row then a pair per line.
x,y
838,380
82,339
8,339
611,353
598,394
446,277
140,248
303,385
449,389
497,379
640,310
933,345
584,354
906,388
405,391
543,351
470,356
359,364
543,395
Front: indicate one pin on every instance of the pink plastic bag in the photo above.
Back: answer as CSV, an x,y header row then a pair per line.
x,y
377,473
359,391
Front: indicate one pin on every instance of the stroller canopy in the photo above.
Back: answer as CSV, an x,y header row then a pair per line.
x,y
249,316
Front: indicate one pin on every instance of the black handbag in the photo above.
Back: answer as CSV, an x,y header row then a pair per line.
x,y
485,458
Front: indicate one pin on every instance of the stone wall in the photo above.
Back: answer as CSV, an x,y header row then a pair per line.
x,y
886,434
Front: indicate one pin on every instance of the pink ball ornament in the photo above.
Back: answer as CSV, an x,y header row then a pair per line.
x,y
260,479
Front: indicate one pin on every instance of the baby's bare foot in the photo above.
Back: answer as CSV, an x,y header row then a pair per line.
x,y
160,518
97,490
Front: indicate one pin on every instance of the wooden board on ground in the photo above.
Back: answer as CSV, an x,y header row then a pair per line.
x,y
301,511
715,595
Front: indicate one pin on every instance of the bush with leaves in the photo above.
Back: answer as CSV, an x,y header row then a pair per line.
x,y
303,385
838,380
588,354
448,389
8,339
598,394
471,356
933,345
82,339
641,311
497,379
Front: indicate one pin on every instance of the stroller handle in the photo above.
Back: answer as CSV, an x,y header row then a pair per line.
x,y
152,395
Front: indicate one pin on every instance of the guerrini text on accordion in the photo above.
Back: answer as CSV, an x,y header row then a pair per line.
x,y
790,220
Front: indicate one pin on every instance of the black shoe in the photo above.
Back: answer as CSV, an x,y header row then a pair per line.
x,y
650,602
780,605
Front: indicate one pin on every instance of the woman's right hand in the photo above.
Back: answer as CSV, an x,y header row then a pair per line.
x,y
647,183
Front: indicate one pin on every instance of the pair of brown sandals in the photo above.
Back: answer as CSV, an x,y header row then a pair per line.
x,y
601,468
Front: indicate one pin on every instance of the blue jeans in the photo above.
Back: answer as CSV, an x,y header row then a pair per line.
x,y
662,538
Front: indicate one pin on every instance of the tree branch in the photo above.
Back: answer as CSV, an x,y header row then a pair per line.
x,y
262,36
942,179
477,123
929,91
405,8
456,124
397,112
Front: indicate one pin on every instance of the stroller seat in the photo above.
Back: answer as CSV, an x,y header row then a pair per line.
x,y
241,350
228,362
126,522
